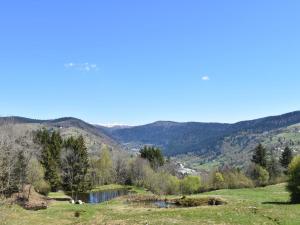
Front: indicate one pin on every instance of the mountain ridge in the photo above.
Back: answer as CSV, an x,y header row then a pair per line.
x,y
177,138
174,138
21,119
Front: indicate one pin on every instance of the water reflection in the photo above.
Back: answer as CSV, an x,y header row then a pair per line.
x,y
101,196
154,203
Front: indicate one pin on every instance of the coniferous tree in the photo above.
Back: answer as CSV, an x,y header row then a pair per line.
x,y
153,155
20,171
293,185
259,156
75,166
273,167
286,157
51,143
56,146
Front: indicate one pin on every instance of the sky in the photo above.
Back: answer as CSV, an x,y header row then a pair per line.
x,y
136,62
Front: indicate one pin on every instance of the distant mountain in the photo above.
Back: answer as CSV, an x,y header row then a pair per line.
x,y
202,138
21,127
193,142
64,122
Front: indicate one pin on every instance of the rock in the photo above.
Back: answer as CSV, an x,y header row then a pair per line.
x,y
79,202
35,206
72,201
253,209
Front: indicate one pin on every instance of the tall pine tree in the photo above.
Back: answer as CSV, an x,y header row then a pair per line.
x,y
153,155
260,156
75,166
286,157
20,171
273,166
51,143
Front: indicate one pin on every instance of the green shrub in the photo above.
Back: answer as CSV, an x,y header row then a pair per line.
x,y
162,183
294,180
218,181
42,187
158,182
190,185
236,179
167,183
203,201
260,175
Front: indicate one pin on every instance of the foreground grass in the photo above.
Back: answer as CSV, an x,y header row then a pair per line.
x,y
267,205
58,195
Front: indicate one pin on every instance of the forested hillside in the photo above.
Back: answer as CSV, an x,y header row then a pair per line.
x,y
201,138
19,131
194,142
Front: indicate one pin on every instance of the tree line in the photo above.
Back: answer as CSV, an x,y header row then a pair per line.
x,y
64,164
265,169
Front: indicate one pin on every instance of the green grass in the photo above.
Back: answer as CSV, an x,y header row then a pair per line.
x,y
58,195
267,205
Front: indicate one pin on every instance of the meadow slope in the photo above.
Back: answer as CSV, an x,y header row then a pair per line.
x,y
267,205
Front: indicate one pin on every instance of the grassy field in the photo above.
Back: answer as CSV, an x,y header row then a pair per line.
x,y
267,205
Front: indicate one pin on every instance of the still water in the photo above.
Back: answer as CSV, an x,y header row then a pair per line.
x,y
101,196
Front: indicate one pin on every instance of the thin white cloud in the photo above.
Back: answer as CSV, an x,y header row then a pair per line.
x,y
86,67
205,78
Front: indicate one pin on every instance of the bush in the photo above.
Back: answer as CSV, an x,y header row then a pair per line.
x,y
167,183
42,187
190,184
259,175
218,181
158,182
161,183
203,201
139,170
236,179
294,180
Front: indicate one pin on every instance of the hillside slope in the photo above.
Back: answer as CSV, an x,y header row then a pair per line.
x,y
197,144
18,131
178,138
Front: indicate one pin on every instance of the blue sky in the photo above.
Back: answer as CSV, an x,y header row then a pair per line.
x,y
134,62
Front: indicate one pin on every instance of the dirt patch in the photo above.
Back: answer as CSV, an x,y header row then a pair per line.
x,y
144,198
32,201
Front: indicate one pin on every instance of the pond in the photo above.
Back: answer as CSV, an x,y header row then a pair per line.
x,y
101,196
162,204
153,203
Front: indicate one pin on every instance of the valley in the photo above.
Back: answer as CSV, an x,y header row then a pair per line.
x,y
197,145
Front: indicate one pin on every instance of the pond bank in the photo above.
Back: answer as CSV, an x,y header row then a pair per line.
x,y
160,202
